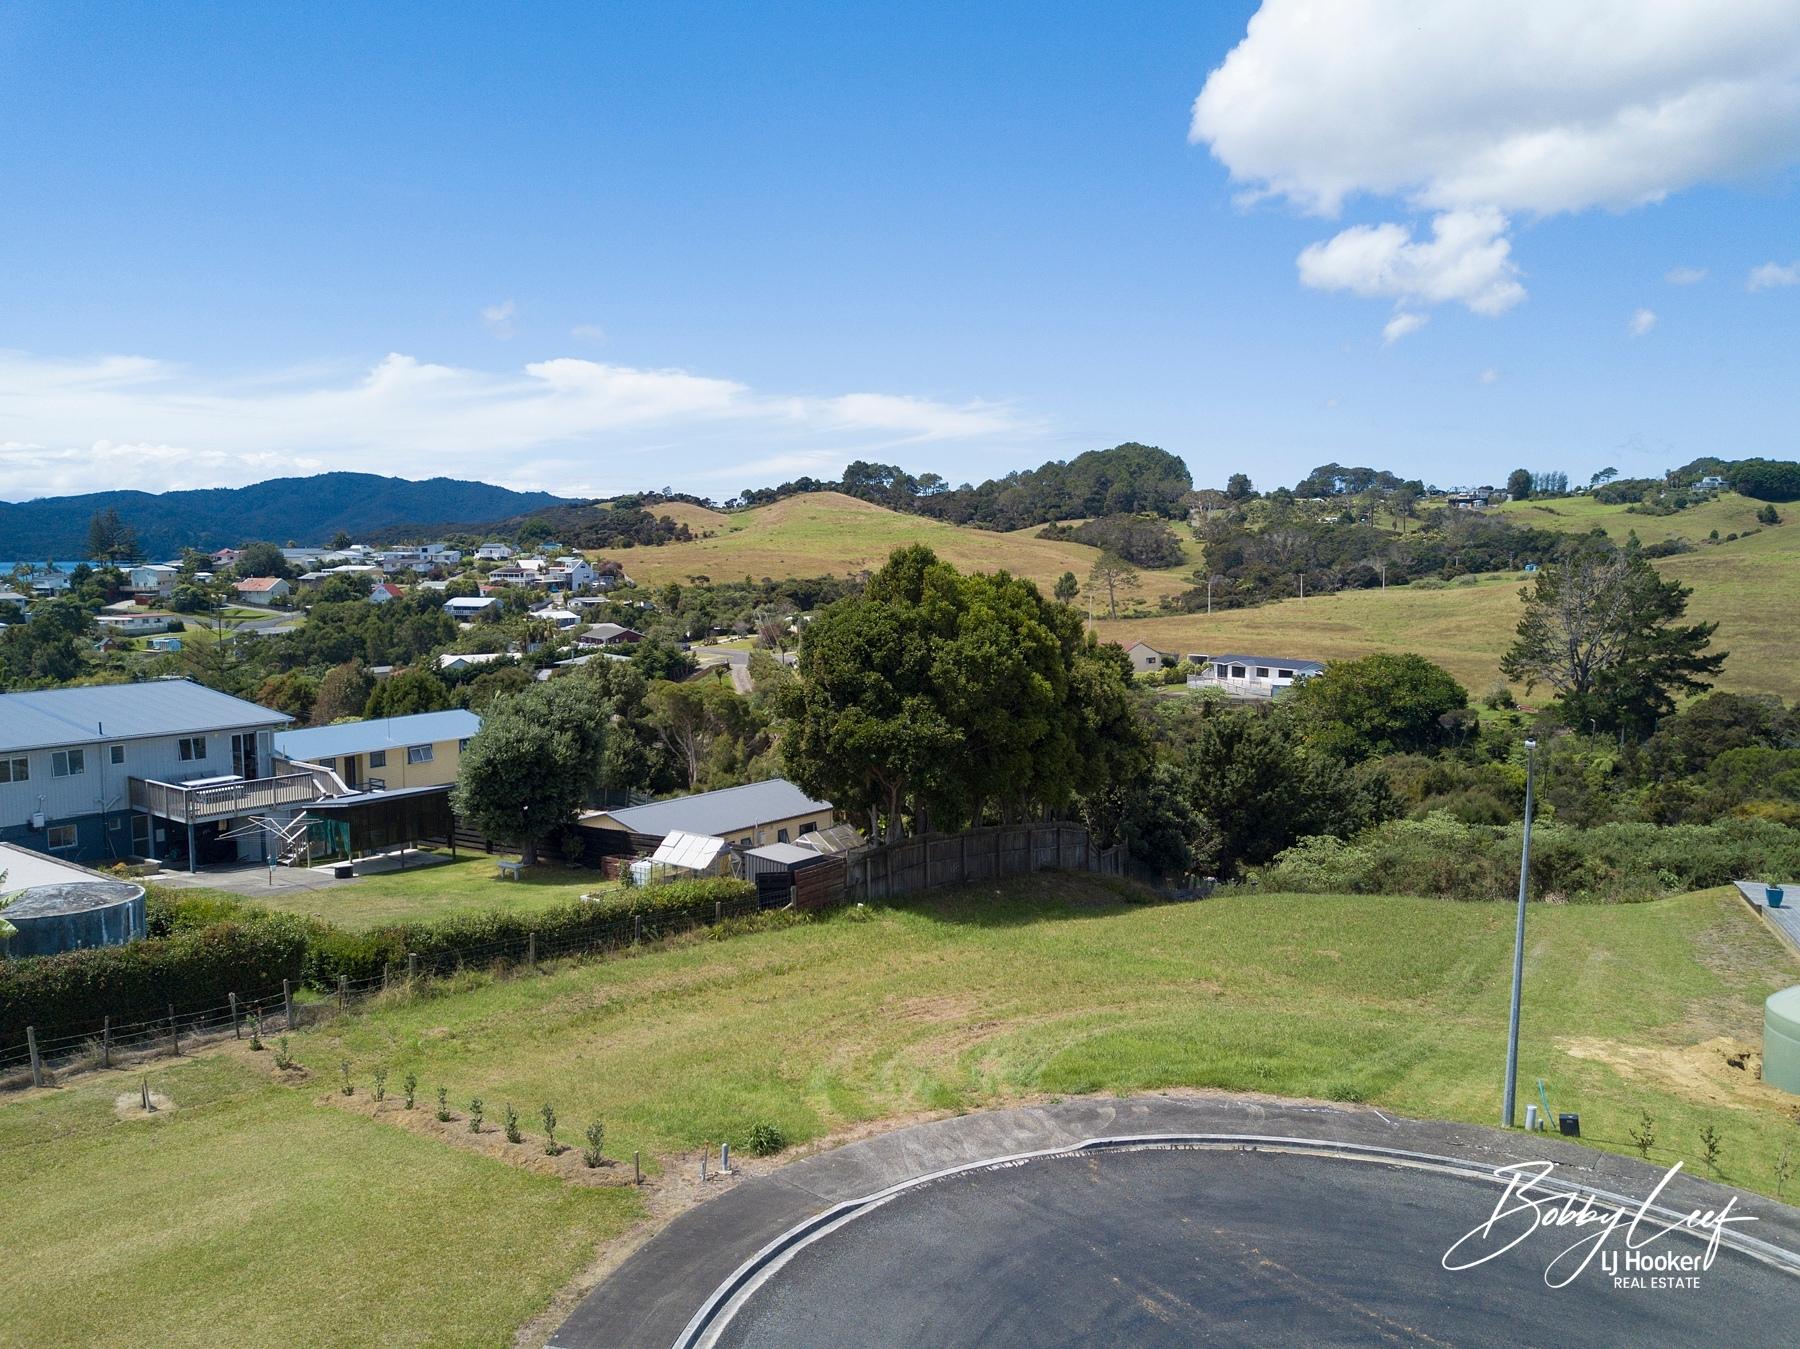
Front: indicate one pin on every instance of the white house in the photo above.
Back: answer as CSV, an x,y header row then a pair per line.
x,y
562,618
466,607
138,624
493,552
154,578
1712,482
1251,676
262,590
382,592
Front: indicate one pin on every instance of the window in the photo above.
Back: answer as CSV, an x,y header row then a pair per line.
x,y
810,827
378,758
1237,672
68,763
781,836
744,842
117,753
418,754
63,836
330,763
15,770
1262,672
192,747
1285,674
462,744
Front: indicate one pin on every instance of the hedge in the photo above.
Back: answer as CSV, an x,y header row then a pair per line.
x,y
195,970
663,909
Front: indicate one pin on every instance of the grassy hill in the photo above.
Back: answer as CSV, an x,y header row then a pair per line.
x,y
365,1224
823,533
1746,585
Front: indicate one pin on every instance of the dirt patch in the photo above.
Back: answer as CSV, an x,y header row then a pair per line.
x,y
129,1105
1720,1071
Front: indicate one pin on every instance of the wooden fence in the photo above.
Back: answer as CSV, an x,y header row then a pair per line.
x,y
993,851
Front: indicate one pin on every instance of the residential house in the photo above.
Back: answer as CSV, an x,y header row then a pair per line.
x,y
464,608
1712,482
1146,658
262,590
775,811
383,591
562,618
608,634
51,581
493,552
386,753
152,581
141,623
468,660
163,767
1251,676
225,557
12,599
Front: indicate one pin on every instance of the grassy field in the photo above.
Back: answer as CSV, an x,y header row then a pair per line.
x,y
272,1209
827,533
445,890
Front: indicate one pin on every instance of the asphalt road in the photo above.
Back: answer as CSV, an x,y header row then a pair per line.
x,y
1179,1247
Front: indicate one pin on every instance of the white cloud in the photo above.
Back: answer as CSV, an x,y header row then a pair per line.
x,y
1772,274
1685,276
1489,376
564,424
1467,259
1402,324
1534,107
499,319
1642,322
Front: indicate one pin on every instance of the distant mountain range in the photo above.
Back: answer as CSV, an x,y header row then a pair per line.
x,y
305,510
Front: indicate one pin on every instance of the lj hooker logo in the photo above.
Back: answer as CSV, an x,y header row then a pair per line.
x,y
1646,1246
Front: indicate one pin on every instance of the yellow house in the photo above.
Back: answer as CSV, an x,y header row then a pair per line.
x,y
423,750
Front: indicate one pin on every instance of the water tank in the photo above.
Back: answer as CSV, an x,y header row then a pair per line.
x,y
1781,1040
73,915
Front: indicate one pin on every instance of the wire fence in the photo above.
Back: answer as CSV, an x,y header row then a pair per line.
x,y
50,1053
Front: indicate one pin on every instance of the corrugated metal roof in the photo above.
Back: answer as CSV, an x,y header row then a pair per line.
x,y
722,811
1285,662
359,737
48,717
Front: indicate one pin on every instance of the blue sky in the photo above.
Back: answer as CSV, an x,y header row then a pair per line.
x,y
595,248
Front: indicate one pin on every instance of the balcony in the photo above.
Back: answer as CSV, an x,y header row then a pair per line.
x,y
223,798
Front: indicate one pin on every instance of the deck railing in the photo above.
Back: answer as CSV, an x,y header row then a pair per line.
x,y
186,804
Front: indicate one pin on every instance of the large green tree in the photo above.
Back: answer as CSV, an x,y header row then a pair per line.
x,y
1601,628
408,693
534,762
1381,704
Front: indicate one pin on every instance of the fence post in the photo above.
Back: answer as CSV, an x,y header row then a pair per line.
x,y
174,1030
234,1017
287,1002
637,928
106,1042
637,1168
718,911
531,950
343,991
412,966
37,1068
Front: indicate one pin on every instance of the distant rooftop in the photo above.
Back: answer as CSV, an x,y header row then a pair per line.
x,y
78,716
359,737
722,811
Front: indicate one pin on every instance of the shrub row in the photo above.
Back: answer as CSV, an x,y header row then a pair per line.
x,y
1613,863
662,909
191,969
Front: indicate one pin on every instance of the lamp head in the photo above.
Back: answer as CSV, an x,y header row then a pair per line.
x,y
1531,744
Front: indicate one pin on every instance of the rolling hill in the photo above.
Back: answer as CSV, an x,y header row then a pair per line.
x,y
306,510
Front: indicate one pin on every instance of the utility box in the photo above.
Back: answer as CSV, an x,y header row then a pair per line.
x,y
1781,1040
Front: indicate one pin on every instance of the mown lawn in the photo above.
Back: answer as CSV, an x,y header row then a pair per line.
x,y
443,890
255,1202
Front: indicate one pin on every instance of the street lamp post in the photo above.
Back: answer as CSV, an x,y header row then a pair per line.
x,y
1518,979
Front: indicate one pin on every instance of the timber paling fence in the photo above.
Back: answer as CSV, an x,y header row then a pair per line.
x,y
889,871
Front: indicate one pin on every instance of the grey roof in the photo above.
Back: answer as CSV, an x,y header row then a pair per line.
x,y
785,853
1285,662
359,737
123,712
723,811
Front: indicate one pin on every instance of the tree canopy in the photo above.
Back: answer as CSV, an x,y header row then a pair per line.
x,y
533,763
1381,704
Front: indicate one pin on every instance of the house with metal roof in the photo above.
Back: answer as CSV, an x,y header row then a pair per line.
x,y
384,753
775,811
1251,676
165,769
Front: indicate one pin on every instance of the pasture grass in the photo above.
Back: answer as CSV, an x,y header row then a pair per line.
x,y
259,1209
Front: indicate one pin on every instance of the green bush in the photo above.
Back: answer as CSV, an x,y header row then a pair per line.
x,y
1612,863
191,969
167,912
764,1139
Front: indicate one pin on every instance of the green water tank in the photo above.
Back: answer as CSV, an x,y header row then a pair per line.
x,y
1781,1040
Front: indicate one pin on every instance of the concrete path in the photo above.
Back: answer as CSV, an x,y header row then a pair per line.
x,y
650,1298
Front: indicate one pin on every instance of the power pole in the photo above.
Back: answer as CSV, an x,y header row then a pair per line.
x,y
1518,972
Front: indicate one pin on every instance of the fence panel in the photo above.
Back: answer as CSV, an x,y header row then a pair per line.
x,y
991,852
